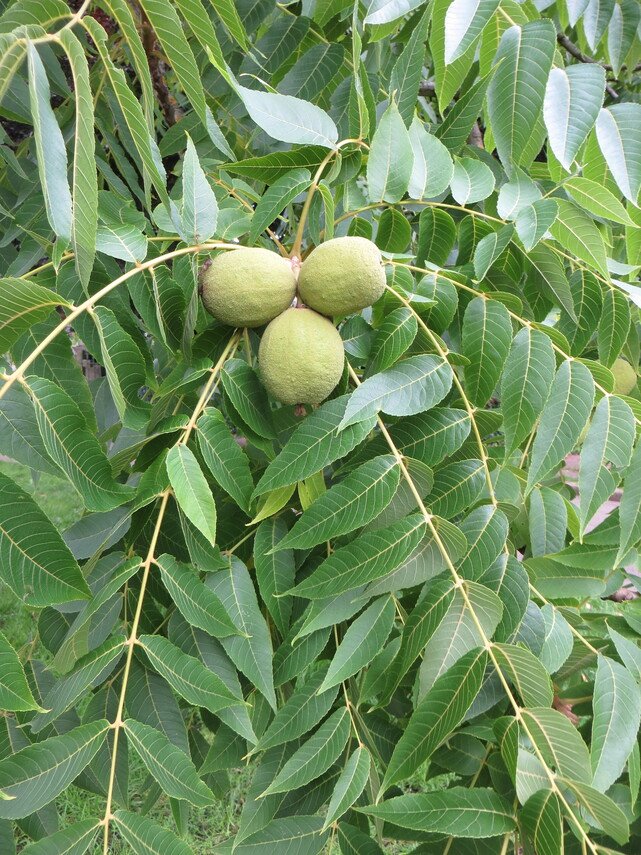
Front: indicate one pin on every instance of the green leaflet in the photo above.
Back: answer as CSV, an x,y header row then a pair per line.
x,y
191,490
168,764
366,558
33,556
315,756
74,449
350,504
15,693
466,813
436,716
32,778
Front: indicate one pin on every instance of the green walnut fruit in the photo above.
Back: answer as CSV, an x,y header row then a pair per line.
x,y
342,276
301,357
247,287
625,377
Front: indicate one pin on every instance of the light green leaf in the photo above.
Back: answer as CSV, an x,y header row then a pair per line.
x,y
35,775
614,325
563,418
84,181
607,814
472,180
275,570
609,441
196,602
487,334
432,167
199,212
533,222
559,742
125,369
459,632
485,529
15,694
490,248
34,560
547,272
23,304
456,487
617,133
558,641
169,31
92,668
192,490
548,519
289,835
516,91
616,715
170,766
436,238
573,98
315,444
384,11
248,396
411,386
439,712
289,119
517,194
187,675
302,710
406,74
147,837
362,641
391,339
527,379
622,29
368,557
576,231
597,199
121,240
389,165
313,72
458,811
50,148
464,22
76,451
596,19
525,671
350,504
132,113
73,840
350,785
224,458
315,756
543,823
251,651
276,198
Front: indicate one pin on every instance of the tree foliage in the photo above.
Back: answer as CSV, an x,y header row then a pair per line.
x,y
394,606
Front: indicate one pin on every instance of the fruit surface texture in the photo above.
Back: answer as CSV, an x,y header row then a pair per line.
x,y
301,357
247,287
342,276
625,377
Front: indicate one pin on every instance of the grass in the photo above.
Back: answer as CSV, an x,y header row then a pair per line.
x,y
207,827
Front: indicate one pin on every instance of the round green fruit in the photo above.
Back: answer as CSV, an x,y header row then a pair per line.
x,y
342,276
301,357
247,287
625,377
